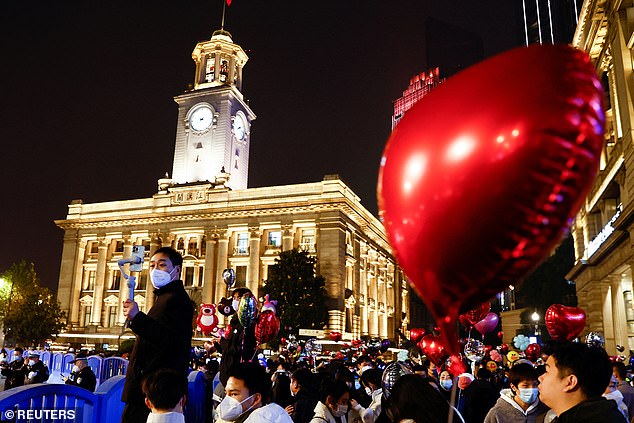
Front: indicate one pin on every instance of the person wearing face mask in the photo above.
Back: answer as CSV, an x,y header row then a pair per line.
x,y
82,375
247,397
371,381
445,384
14,371
163,333
36,371
305,400
333,402
521,402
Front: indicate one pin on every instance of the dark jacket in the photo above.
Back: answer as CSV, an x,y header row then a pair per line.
x,y
84,379
304,405
479,397
14,372
37,373
595,410
163,339
239,346
628,396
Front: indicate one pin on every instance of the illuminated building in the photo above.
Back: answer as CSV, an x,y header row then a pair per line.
x,y
602,229
419,86
207,213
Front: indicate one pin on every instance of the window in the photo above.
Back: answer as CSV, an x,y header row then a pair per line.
x,y
146,245
118,247
275,238
142,281
203,247
224,70
112,316
241,275
210,68
308,240
181,244
92,275
242,244
192,248
87,312
189,276
94,247
116,280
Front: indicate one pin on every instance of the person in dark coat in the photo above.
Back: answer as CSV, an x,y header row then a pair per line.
x,y
305,399
479,397
163,335
576,377
35,370
14,371
82,375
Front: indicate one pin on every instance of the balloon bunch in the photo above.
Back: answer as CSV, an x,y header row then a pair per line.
x,y
536,150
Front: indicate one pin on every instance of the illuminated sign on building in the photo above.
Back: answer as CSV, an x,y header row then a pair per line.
x,y
602,236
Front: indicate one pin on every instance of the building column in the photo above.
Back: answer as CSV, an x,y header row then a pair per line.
x,y
287,237
100,283
608,322
222,251
618,310
68,269
356,332
253,269
78,283
210,271
335,321
156,242
123,289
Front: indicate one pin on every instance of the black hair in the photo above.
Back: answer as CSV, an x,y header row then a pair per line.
x,y
363,359
521,372
332,388
19,349
304,378
591,366
165,388
174,256
254,377
484,373
412,397
620,370
241,292
372,376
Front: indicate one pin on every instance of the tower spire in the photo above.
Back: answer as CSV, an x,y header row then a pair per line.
x,y
224,7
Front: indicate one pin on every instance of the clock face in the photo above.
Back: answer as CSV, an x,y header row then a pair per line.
x,y
201,119
239,127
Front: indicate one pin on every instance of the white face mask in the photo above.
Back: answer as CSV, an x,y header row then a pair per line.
x,y
235,304
340,411
160,278
31,362
368,391
76,369
230,409
528,395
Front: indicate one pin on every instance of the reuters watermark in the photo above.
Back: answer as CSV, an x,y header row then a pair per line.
x,y
28,415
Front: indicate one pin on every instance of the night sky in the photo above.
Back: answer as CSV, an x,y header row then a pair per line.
x,y
86,89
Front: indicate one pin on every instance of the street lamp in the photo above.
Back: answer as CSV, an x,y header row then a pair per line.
x,y
535,319
4,282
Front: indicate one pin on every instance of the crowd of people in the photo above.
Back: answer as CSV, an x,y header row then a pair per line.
x,y
576,382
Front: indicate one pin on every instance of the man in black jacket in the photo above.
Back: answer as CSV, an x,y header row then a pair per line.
x,y
302,388
576,376
82,375
35,370
14,371
164,334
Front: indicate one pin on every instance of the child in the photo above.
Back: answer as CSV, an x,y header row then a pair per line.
x,y
165,394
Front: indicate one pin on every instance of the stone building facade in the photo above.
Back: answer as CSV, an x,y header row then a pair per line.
x,y
602,230
207,213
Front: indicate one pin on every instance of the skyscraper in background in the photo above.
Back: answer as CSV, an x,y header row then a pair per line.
x,y
548,21
419,86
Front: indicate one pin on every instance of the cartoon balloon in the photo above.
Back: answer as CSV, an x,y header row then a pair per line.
x,y
564,323
487,171
488,324
267,327
247,310
595,339
229,277
269,305
521,342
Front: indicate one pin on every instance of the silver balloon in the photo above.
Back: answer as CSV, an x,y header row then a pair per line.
x,y
392,372
312,347
595,339
229,277
474,350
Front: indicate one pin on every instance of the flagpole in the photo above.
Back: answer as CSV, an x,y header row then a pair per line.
x,y
224,6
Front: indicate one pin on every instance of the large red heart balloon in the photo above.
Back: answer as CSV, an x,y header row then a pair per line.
x,y
480,179
335,336
267,327
471,317
416,334
564,323
533,352
489,323
433,348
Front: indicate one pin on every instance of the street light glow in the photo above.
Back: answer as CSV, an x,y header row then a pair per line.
x,y
535,317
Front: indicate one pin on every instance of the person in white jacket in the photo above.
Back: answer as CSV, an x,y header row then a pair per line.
x,y
612,393
246,397
371,380
333,402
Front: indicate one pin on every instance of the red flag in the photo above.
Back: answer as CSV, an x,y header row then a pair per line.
x,y
228,2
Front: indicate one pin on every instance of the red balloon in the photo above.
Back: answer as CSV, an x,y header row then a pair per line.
x,y
564,323
487,171
433,348
500,334
283,341
533,352
335,336
504,349
416,334
267,326
488,324
475,315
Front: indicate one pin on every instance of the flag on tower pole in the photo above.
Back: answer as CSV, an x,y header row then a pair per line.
x,y
228,2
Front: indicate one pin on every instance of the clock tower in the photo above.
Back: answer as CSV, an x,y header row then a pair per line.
x,y
214,121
